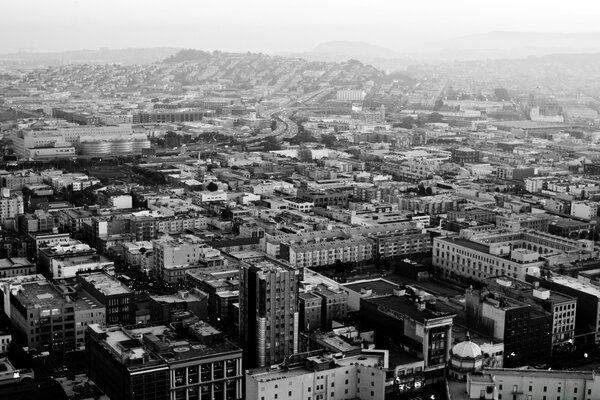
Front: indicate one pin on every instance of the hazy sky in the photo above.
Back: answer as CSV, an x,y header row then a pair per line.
x,y
269,25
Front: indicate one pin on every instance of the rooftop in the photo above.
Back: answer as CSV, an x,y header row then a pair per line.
x,y
400,306
106,284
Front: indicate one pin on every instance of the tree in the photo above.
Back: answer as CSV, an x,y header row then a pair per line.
x,y
407,123
439,104
328,140
435,117
212,187
273,125
428,191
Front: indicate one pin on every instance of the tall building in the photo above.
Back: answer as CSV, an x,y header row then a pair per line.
x,y
269,314
11,204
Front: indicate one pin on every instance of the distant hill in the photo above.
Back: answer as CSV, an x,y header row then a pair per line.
x,y
187,55
341,51
100,56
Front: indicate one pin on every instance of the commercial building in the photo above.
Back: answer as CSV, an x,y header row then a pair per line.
x,y
563,308
534,384
587,319
520,222
67,259
52,318
16,266
269,317
409,317
321,376
525,330
11,204
465,155
157,362
350,95
584,209
327,251
117,298
515,254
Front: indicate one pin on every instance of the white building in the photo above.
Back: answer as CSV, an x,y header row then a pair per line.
x,y
584,209
11,204
321,377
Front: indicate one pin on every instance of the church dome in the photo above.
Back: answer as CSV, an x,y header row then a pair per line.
x,y
466,349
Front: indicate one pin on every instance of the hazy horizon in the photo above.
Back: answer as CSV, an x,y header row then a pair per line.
x,y
272,27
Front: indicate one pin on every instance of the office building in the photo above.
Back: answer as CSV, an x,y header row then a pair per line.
x,y
525,330
52,318
117,298
409,317
321,376
269,318
157,362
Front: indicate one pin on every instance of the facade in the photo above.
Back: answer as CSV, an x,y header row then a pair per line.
x,y
50,319
350,95
269,317
409,318
499,252
534,384
327,252
563,308
16,266
519,222
584,209
11,204
525,330
155,362
319,376
466,155
117,298
587,323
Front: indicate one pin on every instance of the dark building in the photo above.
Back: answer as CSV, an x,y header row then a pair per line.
x,y
310,311
325,198
164,116
334,305
409,319
465,155
268,327
118,299
186,360
525,330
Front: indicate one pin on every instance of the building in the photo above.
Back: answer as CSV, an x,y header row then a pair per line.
x,y
534,384
587,320
409,317
350,95
11,204
16,266
51,318
309,305
514,254
327,251
465,155
525,330
67,259
117,298
321,376
269,317
520,222
563,308
584,209
157,362
38,221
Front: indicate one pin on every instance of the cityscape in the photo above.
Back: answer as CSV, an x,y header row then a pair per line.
x,y
365,220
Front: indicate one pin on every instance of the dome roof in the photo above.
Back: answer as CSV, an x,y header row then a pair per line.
x,y
466,349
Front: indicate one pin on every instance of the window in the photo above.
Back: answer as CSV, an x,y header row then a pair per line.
x,y
290,393
545,388
558,389
499,387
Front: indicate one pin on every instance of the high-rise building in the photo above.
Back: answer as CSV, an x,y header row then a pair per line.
x,y
269,314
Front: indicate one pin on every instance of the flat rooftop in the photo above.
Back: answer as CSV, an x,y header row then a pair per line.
x,y
40,294
379,287
106,284
401,306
